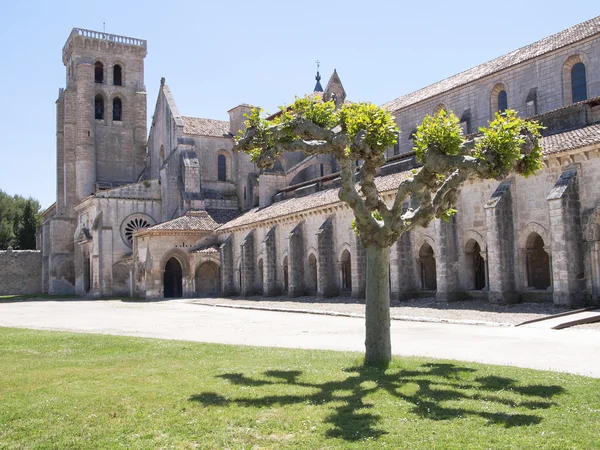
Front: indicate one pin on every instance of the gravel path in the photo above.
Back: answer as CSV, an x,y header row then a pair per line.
x,y
422,309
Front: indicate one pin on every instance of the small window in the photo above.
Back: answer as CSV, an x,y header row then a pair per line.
x,y
397,145
99,107
578,83
502,101
222,168
117,109
99,72
117,76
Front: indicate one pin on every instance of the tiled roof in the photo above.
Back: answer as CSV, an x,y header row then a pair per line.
x,y
566,37
206,249
570,140
205,127
191,221
318,199
221,216
560,142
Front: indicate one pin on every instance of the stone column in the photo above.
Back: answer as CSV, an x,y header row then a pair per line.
x,y
296,256
227,269
500,241
568,280
248,265
447,264
270,287
326,285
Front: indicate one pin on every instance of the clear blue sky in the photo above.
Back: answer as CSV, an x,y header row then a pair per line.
x,y
218,54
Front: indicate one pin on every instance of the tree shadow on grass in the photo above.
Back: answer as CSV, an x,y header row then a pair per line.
x,y
434,391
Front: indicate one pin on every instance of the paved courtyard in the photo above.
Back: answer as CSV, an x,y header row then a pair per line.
x,y
570,350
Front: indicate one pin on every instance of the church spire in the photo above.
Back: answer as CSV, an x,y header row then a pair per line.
x,y
318,87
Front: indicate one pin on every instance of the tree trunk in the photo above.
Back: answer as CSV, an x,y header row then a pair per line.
x,y
377,315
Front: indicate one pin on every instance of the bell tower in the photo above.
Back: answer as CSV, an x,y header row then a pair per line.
x,y
101,115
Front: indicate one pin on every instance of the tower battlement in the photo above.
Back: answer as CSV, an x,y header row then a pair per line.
x,y
97,40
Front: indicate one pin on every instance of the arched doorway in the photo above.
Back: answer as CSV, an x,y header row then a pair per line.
x,y
311,284
427,268
346,265
173,279
537,263
286,281
475,266
207,279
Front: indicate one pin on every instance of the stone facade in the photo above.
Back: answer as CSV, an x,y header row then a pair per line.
x,y
16,263
190,218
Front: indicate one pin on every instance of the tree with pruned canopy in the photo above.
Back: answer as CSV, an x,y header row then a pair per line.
x,y
361,132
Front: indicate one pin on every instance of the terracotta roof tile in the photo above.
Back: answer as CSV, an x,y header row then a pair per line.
x,y
570,140
296,205
206,249
205,127
191,221
566,37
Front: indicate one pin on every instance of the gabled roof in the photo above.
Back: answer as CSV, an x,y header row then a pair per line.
x,y
566,37
205,127
190,221
318,199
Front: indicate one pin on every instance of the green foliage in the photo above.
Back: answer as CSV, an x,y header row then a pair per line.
x,y
28,229
378,125
19,221
375,125
500,145
442,131
447,215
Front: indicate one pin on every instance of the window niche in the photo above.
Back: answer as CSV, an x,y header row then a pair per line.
x,y
99,107
574,80
99,72
498,99
117,109
117,75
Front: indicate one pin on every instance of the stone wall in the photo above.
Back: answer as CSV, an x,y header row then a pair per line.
x,y
544,73
20,272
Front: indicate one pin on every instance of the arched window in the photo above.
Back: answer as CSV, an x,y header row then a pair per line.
x,y
578,83
537,263
99,72
117,109
439,107
222,167
427,268
502,101
117,75
498,99
346,270
99,107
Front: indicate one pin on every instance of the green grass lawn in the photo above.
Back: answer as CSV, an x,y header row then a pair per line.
x,y
63,390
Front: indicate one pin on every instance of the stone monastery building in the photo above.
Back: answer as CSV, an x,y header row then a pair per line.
x,y
175,213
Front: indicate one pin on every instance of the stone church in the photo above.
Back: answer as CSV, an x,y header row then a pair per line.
x,y
173,212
